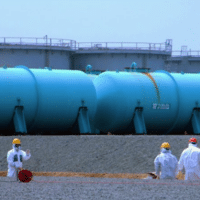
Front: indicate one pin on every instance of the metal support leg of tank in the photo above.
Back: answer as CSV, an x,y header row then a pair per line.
x,y
19,120
83,120
139,123
196,121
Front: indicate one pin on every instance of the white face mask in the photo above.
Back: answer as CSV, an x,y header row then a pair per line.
x,y
16,148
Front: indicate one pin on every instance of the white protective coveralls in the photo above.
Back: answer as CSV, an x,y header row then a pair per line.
x,y
167,164
15,159
190,160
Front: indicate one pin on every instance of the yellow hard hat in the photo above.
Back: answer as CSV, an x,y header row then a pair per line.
x,y
16,141
165,145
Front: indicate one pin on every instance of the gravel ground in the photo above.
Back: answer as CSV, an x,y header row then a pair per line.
x,y
97,188
97,154
92,154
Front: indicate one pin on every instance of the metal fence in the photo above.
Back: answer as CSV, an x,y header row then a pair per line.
x,y
95,46
91,46
6,41
185,53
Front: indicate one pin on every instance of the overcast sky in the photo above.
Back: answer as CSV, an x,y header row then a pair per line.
x,y
151,21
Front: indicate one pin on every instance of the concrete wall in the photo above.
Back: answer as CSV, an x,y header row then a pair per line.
x,y
194,67
66,59
35,58
60,60
156,62
118,61
185,64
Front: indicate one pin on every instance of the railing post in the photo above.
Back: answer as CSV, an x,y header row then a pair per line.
x,y
50,41
4,40
20,41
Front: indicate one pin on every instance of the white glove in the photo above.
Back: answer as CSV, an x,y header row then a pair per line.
x,y
27,152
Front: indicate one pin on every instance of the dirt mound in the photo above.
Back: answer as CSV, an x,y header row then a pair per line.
x,y
95,175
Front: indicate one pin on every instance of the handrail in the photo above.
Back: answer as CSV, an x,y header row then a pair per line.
x,y
70,44
95,46
189,53
91,46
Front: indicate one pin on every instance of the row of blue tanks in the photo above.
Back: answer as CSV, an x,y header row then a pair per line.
x,y
50,101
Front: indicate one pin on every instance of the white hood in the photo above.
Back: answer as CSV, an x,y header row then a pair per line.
x,y
192,145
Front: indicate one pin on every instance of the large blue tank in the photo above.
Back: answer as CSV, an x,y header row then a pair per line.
x,y
157,103
45,99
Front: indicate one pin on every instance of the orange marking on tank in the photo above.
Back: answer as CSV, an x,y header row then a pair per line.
x,y
155,85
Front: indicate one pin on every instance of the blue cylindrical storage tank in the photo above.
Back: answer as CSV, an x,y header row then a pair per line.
x,y
167,100
51,98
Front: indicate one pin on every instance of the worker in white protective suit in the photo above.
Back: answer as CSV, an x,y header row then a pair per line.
x,y
190,161
166,164
15,158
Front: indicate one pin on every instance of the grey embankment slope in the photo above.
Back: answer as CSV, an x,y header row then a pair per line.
x,y
99,154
